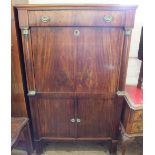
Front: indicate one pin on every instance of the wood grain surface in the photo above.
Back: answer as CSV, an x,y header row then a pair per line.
x,y
18,103
76,62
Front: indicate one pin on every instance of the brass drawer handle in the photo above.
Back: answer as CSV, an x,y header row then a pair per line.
x,y
107,18
76,32
45,19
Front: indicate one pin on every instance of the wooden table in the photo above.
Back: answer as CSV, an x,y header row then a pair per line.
x,y
132,116
21,125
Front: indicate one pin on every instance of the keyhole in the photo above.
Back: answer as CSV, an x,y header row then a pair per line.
x,y
76,32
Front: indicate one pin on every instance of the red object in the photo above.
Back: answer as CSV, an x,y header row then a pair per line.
x,y
135,94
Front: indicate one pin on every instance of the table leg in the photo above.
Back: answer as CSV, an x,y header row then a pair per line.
x,y
113,147
125,142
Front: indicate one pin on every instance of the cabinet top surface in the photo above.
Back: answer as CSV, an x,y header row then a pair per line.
x,y
112,4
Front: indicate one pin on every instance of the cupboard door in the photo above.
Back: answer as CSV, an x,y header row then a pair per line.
x,y
53,56
52,117
98,59
98,118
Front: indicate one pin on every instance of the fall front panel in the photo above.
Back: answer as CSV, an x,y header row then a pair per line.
x,y
80,59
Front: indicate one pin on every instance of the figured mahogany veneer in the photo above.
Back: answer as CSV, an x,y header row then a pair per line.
x,y
74,66
76,61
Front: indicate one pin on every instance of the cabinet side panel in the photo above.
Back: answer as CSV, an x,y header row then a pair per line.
x,y
124,60
18,104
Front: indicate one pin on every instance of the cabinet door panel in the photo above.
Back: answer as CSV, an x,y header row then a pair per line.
x,y
98,59
53,53
99,118
52,117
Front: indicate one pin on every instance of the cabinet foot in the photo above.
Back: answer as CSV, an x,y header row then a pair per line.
x,y
113,147
39,148
28,140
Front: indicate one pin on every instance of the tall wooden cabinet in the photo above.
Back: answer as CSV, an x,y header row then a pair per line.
x,y
76,60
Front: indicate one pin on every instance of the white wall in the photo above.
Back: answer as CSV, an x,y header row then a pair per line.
x,y
134,63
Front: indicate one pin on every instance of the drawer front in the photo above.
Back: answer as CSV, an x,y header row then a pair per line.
x,y
137,127
134,127
76,18
138,115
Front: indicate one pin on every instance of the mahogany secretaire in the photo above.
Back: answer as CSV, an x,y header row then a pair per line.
x,y
76,61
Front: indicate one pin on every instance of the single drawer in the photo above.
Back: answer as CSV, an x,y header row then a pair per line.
x,y
137,115
137,127
76,18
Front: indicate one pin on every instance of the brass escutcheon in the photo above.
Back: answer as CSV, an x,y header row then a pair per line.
x,y
76,32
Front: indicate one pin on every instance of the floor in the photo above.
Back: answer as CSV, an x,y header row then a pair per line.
x,y
83,148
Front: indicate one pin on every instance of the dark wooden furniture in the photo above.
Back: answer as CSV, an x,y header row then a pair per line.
x,y
20,125
140,57
132,116
18,100
76,62
18,103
